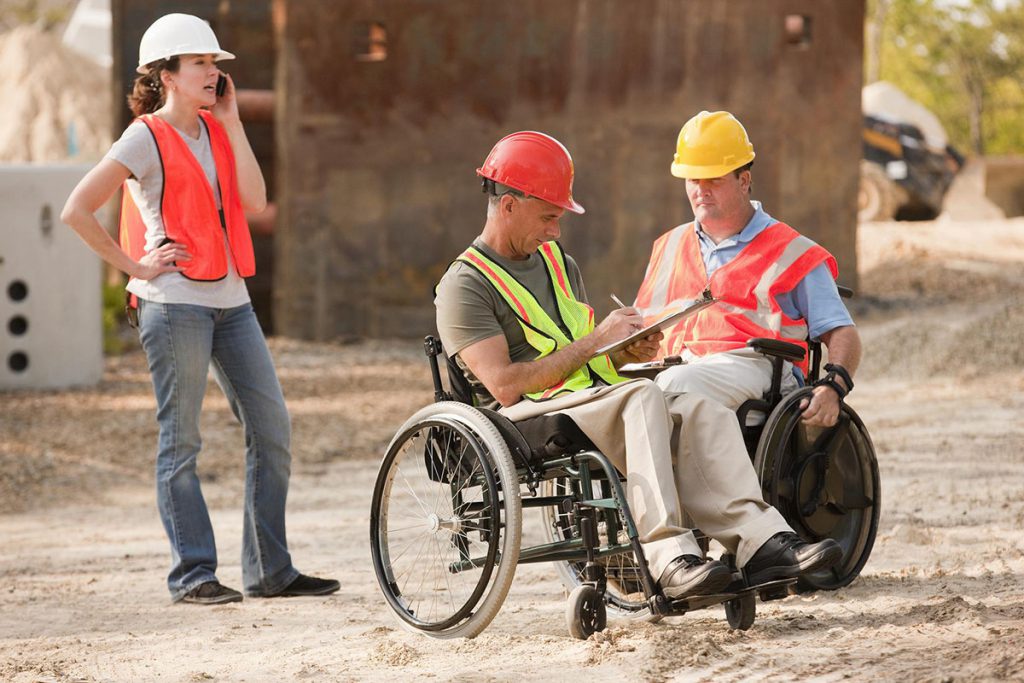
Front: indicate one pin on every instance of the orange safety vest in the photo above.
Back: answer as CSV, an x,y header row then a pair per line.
x,y
188,207
746,287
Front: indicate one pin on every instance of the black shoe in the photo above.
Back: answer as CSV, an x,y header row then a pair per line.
x,y
785,555
307,585
689,575
212,593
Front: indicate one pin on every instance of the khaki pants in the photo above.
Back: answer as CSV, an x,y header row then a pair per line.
x,y
730,377
677,451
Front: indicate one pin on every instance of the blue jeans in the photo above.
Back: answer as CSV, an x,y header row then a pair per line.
x,y
182,342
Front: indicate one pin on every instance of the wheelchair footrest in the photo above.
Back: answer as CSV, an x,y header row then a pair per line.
x,y
772,590
696,602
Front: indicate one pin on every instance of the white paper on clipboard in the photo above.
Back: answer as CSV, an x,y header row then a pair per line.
x,y
662,323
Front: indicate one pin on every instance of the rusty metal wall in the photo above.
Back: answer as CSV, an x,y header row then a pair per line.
x,y
377,157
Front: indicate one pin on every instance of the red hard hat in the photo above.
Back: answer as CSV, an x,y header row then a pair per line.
x,y
535,164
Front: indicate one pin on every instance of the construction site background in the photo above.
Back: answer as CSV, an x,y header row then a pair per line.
x,y
358,146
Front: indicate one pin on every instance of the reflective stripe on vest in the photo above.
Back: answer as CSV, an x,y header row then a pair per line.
x,y
188,206
542,332
772,263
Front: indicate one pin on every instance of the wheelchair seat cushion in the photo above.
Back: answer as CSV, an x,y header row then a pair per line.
x,y
550,436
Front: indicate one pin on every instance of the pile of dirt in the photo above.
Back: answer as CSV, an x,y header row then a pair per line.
x,y
941,299
56,104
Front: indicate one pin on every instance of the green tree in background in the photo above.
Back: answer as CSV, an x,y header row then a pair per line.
x,y
963,59
49,14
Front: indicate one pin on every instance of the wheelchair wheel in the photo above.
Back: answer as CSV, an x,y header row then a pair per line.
x,y
585,612
741,612
624,592
824,482
445,522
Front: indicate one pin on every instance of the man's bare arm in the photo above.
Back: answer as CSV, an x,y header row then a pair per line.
x,y
508,382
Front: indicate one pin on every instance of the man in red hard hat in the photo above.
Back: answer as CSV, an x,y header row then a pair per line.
x,y
512,311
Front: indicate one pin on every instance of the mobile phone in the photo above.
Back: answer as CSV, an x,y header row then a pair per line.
x,y
222,84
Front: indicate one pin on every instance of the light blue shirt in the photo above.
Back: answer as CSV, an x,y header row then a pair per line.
x,y
815,299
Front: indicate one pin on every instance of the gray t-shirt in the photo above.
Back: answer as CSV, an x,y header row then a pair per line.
x,y
470,310
136,150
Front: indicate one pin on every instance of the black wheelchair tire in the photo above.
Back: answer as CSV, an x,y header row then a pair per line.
x,y
741,612
784,460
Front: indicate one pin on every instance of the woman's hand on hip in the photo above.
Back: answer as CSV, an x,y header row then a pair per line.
x,y
161,260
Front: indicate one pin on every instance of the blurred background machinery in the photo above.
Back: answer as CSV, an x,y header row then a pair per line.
x,y
908,163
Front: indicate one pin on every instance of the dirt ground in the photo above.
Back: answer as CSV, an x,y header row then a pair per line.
x,y
83,555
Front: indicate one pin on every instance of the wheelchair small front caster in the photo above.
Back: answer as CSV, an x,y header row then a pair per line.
x,y
741,611
585,612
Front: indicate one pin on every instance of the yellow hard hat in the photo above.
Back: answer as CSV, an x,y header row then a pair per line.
x,y
710,145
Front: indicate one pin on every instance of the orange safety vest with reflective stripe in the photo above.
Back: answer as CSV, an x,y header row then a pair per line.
x,y
188,207
542,332
773,263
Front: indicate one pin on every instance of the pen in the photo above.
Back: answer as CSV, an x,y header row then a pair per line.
x,y
616,300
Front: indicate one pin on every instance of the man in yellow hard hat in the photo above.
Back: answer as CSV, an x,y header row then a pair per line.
x,y
770,281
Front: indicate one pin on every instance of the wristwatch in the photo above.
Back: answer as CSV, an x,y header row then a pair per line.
x,y
829,380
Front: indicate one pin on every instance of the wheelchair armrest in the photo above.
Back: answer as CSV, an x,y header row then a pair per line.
x,y
776,348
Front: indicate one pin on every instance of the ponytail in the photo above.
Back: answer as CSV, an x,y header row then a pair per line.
x,y
148,92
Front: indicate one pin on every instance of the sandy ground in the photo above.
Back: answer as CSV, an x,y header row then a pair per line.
x,y
83,555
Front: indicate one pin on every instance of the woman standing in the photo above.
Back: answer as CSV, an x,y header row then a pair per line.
x,y
189,174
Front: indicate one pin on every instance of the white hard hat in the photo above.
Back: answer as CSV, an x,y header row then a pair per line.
x,y
178,34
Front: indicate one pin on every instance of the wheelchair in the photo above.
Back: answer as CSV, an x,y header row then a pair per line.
x,y
446,511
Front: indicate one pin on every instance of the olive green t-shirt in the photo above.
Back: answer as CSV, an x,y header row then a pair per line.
x,y
470,309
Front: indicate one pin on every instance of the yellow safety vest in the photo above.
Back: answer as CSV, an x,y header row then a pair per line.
x,y
542,332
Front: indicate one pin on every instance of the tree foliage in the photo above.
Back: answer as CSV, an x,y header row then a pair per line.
x,y
963,59
47,13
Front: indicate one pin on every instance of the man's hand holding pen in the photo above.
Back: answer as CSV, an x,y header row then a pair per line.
x,y
639,351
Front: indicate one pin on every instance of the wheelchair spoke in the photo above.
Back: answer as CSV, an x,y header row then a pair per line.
x,y
420,539
442,562
423,577
404,511
449,441
416,497
404,550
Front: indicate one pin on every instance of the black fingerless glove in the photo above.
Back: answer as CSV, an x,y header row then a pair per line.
x,y
829,380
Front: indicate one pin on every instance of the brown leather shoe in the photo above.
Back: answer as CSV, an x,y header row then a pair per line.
x,y
689,575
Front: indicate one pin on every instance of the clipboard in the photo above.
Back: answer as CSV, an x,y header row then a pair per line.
x,y
649,369
665,321
651,366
